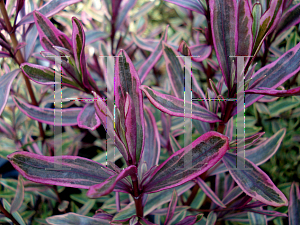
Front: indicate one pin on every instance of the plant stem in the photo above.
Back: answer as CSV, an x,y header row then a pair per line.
x,y
20,59
7,214
137,197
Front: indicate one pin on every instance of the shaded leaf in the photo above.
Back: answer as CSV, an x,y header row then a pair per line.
x,y
19,197
254,182
76,219
46,115
87,118
294,204
49,9
193,5
175,106
5,84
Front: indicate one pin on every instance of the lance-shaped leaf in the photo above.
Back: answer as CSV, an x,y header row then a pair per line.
x,y
151,151
203,153
46,115
87,118
274,92
200,52
172,207
256,218
44,75
49,9
127,82
49,35
107,120
175,106
289,18
268,23
256,13
122,12
78,41
19,197
244,29
275,73
76,219
223,15
145,44
174,67
68,171
153,58
5,84
254,182
193,5
294,204
259,154
98,190
211,218
207,190
190,220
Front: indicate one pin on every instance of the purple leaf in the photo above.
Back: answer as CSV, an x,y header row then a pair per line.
x,y
49,35
274,92
46,115
5,84
49,9
76,219
44,75
190,220
211,218
107,121
259,154
244,29
151,151
289,19
67,171
153,58
256,13
175,106
104,188
87,118
145,44
294,204
4,54
127,82
172,207
206,151
267,212
174,67
193,5
268,23
254,182
207,190
275,73
202,51
19,197
122,12
232,195
78,40
256,218
223,14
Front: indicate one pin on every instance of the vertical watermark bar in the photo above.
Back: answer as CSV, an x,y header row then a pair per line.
x,y
241,110
58,114
110,75
188,157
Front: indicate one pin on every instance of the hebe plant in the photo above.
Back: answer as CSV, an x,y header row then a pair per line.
x,y
151,183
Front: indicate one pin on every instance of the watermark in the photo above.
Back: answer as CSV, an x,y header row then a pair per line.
x,y
110,100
